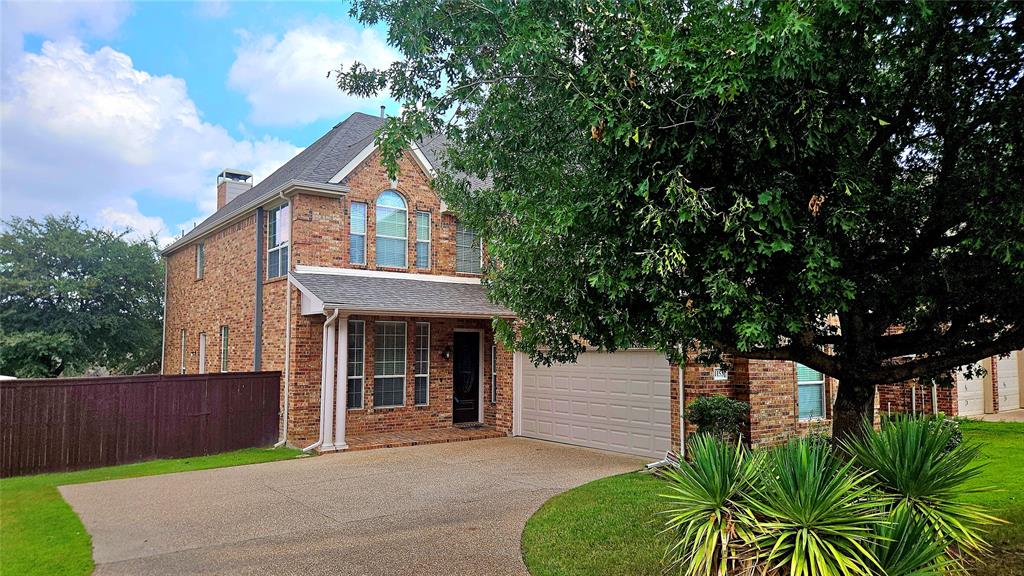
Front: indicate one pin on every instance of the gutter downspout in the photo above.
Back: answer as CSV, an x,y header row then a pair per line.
x,y
287,356
328,324
163,334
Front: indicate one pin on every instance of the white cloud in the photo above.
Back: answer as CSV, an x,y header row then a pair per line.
x,y
86,131
285,79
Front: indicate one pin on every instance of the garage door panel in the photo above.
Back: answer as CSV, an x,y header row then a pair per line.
x,y
614,401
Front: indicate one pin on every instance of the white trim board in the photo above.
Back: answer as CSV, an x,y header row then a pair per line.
x,y
300,269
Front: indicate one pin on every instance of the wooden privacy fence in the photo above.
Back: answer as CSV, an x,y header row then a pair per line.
x,y
74,423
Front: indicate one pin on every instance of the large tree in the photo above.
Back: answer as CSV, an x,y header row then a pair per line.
x,y
837,183
74,298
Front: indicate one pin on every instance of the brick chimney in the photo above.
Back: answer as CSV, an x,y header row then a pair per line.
x,y
231,183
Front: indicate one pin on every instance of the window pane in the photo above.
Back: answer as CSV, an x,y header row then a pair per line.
x,y
811,400
357,218
274,264
467,250
357,249
272,228
223,348
391,222
805,374
421,389
356,340
494,374
423,239
283,225
388,391
283,250
391,252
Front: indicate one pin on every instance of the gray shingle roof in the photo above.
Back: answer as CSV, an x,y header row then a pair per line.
x,y
318,164
399,296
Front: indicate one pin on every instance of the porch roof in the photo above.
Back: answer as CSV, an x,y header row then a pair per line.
x,y
422,296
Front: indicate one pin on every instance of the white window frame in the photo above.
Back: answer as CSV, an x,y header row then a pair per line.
x,y
225,333
430,230
200,260
494,374
184,342
377,235
282,247
351,215
481,250
202,352
418,375
819,383
360,380
404,375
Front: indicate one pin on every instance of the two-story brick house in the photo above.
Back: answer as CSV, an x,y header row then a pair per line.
x,y
365,294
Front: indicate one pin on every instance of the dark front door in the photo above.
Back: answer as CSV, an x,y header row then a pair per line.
x,y
466,377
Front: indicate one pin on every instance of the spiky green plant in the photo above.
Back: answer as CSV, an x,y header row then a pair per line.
x,y
912,463
708,521
816,515
906,546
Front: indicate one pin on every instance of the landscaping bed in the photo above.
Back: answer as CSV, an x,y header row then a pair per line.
x,y
610,526
41,534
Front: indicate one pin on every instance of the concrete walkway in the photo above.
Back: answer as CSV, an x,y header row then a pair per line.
x,y
441,509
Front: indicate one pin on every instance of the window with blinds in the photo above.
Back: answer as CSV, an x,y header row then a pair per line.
x,y
810,392
389,364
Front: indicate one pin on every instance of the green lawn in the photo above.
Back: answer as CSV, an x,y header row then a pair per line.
x,y
608,526
40,534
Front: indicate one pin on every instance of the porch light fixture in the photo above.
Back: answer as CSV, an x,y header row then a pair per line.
x,y
447,352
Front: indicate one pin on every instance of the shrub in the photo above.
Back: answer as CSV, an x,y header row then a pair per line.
x,y
814,513
910,460
707,516
888,504
718,416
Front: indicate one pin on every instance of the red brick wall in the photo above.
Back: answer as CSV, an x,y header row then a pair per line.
x,y
769,386
899,398
224,296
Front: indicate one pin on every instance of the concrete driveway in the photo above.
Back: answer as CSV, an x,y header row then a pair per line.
x,y
454,508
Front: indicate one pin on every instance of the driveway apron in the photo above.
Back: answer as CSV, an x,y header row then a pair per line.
x,y
454,508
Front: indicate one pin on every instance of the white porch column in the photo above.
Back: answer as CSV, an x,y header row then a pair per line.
x,y
339,435
327,410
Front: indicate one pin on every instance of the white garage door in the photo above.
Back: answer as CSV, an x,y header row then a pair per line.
x,y
1009,382
970,395
618,401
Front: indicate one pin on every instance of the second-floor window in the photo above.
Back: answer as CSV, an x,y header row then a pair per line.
x,y
200,260
467,250
423,240
278,232
392,230
357,233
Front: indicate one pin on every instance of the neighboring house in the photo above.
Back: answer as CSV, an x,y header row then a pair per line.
x,y
365,294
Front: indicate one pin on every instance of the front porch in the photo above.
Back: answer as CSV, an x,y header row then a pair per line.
x,y
399,438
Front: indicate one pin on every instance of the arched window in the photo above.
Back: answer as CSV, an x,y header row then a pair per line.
x,y
392,230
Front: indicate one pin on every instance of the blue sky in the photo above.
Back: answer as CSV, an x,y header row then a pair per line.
x,y
125,112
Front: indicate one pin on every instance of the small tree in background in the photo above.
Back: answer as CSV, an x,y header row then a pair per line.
x,y
74,298
731,173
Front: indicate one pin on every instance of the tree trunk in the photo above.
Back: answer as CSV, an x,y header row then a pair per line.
x,y
854,407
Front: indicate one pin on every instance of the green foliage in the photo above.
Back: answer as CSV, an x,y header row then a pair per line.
x,y
891,504
911,461
707,515
814,514
719,416
731,173
74,298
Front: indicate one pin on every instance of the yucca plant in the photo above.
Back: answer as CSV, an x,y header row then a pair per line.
x,y
906,546
709,523
912,463
816,515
